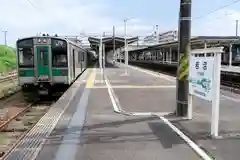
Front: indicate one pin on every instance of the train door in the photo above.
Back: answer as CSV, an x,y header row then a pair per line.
x,y
81,62
42,63
74,76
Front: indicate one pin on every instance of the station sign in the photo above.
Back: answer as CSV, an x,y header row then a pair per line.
x,y
204,81
201,77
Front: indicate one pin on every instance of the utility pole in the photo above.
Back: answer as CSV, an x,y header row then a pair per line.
x,y
104,56
114,54
125,42
100,53
101,58
5,36
183,53
157,34
236,27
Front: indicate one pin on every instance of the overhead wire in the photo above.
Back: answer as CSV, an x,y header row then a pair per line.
x,y
217,9
197,18
213,11
32,4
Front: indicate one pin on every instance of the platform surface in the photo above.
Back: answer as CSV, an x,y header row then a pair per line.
x,y
108,135
91,129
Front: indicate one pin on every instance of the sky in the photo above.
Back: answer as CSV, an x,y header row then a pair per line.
x,y
23,18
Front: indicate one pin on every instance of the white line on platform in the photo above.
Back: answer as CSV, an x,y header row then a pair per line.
x,y
137,87
161,113
115,107
141,113
150,113
230,98
193,145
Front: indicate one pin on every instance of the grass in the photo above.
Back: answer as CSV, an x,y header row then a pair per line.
x,y
7,59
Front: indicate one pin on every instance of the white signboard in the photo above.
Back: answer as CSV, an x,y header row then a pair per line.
x,y
204,81
201,77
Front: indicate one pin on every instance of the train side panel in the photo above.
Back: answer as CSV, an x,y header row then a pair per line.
x,y
76,63
48,64
60,61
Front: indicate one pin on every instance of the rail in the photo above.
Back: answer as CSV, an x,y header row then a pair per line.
x,y
10,77
230,86
4,124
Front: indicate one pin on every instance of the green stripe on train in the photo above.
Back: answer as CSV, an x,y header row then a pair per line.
x,y
27,73
59,72
30,72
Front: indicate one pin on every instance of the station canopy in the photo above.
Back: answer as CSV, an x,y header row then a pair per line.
x,y
108,41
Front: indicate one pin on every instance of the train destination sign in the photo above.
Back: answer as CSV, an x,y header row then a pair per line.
x,y
201,77
56,43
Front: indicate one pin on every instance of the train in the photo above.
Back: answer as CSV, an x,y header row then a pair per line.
x,y
49,64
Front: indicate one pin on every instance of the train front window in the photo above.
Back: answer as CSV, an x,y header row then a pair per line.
x,y
25,53
26,57
59,53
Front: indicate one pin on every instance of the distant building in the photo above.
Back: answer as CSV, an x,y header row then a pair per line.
x,y
168,36
162,37
150,39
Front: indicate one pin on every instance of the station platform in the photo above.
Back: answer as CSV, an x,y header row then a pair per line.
x,y
226,69
110,115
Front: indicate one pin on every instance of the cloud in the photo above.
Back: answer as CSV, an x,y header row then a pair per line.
x,y
63,17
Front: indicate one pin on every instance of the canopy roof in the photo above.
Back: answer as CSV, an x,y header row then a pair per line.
x,y
108,41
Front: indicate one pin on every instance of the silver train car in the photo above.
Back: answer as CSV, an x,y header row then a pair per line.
x,y
48,64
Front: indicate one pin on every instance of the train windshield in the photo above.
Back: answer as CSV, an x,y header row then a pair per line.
x,y
59,53
25,53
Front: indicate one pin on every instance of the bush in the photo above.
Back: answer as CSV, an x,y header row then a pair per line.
x,y
7,59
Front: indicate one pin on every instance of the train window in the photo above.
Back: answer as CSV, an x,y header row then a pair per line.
x,y
79,56
43,57
25,43
83,56
59,60
25,53
26,57
235,50
59,53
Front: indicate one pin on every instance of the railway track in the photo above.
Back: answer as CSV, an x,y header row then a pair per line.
x,y
230,86
17,118
8,78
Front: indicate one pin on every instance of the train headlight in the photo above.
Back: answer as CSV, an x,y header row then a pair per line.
x,y
44,40
39,40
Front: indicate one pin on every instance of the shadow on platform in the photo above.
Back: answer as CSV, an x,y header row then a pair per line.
x,y
111,132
